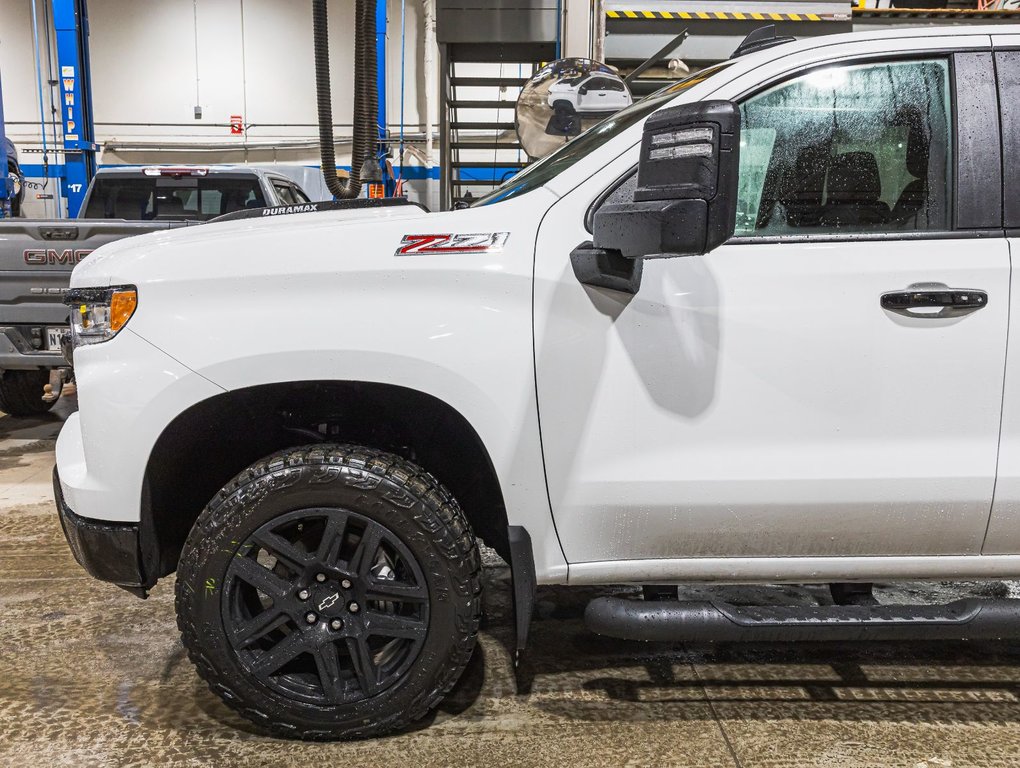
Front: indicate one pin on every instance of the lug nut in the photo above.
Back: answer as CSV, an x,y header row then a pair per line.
x,y
346,583
320,577
353,607
336,624
304,594
311,618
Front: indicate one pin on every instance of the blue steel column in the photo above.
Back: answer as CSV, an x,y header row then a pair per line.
x,y
380,62
70,20
6,187
380,84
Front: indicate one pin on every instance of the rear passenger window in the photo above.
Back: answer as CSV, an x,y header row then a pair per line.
x,y
862,148
283,192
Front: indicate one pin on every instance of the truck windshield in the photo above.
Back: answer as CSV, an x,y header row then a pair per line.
x,y
539,173
163,198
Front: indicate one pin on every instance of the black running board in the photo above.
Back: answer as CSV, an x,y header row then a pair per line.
x,y
703,621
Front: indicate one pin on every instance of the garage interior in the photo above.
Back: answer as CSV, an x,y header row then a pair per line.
x,y
94,677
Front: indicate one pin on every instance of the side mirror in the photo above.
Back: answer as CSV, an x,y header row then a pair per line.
x,y
685,202
583,90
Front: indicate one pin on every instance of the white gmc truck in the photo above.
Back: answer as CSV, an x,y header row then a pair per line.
x,y
751,329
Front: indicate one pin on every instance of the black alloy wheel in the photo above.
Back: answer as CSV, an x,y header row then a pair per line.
x,y
325,606
330,592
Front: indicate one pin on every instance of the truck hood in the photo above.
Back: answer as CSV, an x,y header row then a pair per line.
x,y
128,259
289,249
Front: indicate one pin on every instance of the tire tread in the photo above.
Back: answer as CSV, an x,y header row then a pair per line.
x,y
444,522
21,393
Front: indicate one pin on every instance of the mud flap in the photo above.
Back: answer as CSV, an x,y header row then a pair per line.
x,y
522,568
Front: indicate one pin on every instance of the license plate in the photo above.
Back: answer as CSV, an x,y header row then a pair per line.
x,y
53,337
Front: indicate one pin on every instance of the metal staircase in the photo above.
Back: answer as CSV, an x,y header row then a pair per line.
x,y
480,83
479,144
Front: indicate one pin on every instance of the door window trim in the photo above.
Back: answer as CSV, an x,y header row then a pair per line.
x,y
978,174
837,237
589,216
1009,115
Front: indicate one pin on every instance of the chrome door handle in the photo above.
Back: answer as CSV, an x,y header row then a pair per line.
x,y
934,300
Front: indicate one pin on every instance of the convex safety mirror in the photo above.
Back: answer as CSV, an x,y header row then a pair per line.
x,y
565,98
685,200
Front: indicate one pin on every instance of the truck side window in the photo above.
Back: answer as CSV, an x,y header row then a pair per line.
x,y
856,148
283,192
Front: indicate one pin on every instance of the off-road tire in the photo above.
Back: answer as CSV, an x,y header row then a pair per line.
x,y
21,393
390,490
562,105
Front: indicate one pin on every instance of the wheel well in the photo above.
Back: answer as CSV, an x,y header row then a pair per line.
x,y
211,442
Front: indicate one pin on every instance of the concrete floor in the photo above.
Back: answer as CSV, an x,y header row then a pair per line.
x,y
91,676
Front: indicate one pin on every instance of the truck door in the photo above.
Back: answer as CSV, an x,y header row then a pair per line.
x,y
594,97
808,389
1004,527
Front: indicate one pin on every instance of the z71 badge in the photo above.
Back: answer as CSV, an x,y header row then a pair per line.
x,y
479,242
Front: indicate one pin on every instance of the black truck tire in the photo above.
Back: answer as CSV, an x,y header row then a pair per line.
x,y
280,591
21,393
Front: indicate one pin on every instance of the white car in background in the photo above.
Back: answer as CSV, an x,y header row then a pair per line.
x,y
593,93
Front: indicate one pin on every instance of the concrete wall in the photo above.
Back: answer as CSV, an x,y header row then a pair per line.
x,y
249,57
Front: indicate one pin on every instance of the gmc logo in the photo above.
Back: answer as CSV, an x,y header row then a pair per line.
x,y
43,256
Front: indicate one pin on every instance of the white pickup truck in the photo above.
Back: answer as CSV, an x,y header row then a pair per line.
x,y
751,329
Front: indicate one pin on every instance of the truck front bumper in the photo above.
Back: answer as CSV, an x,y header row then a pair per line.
x,y
108,551
128,392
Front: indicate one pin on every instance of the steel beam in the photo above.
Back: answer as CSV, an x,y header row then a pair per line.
x,y
70,21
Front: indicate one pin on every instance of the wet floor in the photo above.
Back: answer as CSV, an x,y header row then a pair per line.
x,y
92,676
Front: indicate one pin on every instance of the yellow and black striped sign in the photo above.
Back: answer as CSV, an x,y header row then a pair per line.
x,y
939,13
721,16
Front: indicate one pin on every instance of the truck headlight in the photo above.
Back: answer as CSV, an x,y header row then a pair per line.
x,y
98,314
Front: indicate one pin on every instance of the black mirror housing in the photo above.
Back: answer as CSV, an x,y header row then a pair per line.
x,y
605,269
685,202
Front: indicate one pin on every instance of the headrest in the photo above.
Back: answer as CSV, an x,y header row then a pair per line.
x,y
170,205
918,143
853,178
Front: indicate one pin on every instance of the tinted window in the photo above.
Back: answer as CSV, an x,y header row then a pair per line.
x,y
166,197
848,149
283,191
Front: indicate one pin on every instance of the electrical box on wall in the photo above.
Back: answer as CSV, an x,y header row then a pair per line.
x,y
497,21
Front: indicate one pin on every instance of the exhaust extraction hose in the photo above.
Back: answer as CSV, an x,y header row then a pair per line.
x,y
366,97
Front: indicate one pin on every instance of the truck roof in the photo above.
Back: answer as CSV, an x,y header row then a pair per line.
x,y
750,61
822,41
203,170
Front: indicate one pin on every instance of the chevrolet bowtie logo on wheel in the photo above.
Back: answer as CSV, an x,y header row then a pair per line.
x,y
329,601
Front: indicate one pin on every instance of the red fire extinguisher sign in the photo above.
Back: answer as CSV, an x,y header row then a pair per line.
x,y
236,125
